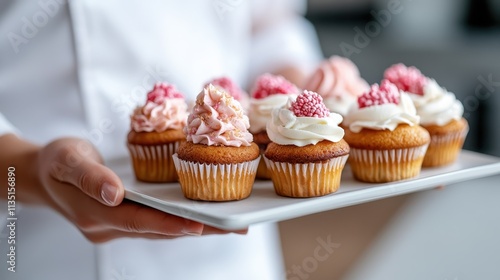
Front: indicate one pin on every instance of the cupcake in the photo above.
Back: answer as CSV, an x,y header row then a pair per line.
x,y
338,81
156,132
225,83
439,110
218,162
307,152
387,143
269,92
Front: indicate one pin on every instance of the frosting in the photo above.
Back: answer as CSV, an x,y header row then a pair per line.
x,y
408,79
382,108
228,85
261,109
162,91
338,81
165,108
340,104
269,84
269,92
286,128
217,119
437,106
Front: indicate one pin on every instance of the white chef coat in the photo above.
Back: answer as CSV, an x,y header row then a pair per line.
x,y
79,68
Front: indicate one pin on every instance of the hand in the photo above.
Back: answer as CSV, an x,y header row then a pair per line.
x,y
91,196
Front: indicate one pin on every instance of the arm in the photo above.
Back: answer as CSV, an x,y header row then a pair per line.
x,y
68,176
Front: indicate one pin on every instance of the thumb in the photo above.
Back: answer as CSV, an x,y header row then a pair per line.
x,y
81,165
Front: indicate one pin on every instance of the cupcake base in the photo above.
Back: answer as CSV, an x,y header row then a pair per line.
x,y
380,166
262,140
262,171
216,182
153,163
306,179
445,147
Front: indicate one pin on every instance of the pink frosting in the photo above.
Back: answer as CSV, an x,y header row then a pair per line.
x,y
269,84
165,108
218,119
335,77
387,92
408,79
162,91
309,104
230,86
171,114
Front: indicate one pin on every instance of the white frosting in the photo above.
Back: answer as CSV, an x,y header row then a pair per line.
x,y
385,116
437,106
287,129
261,109
340,104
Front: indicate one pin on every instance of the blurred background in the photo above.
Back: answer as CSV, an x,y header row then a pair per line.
x,y
456,42
448,234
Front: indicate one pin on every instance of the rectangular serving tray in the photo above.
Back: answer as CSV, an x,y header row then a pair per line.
x,y
264,205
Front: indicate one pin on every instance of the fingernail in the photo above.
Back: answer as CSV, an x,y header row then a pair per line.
x,y
192,228
109,193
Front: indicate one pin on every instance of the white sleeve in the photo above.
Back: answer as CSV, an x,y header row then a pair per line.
x,y
6,126
282,37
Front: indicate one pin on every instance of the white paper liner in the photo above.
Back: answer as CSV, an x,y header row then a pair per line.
x,y
387,156
444,149
377,166
153,163
449,137
216,182
263,171
306,179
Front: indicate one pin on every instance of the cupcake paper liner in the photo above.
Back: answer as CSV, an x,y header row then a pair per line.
x,y
216,182
444,149
378,166
262,170
153,163
306,179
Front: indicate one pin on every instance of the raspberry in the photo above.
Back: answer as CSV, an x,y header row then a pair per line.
x,y
268,84
386,93
309,104
408,79
228,85
162,91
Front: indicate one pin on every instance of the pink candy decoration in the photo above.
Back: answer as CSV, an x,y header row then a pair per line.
x,y
386,93
268,84
309,104
408,79
228,85
162,91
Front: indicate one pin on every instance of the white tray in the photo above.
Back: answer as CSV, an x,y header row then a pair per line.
x,y
264,205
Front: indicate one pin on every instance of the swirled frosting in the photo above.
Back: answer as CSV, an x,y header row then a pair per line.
x,y
230,86
382,108
437,106
217,119
434,104
165,108
261,109
314,123
338,81
408,79
225,83
270,92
